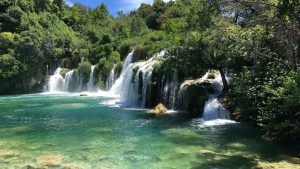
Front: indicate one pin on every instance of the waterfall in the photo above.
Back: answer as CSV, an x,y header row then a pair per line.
x,y
68,80
214,113
111,78
124,77
73,81
213,110
90,84
173,92
56,82
133,84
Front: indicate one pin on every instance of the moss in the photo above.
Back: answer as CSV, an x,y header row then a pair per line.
x,y
85,68
118,68
158,68
135,70
212,74
64,71
140,53
67,63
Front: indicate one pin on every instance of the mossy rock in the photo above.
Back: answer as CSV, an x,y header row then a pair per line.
x,y
212,74
194,94
64,71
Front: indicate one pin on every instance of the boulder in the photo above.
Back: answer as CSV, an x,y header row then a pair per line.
x,y
192,96
84,94
158,110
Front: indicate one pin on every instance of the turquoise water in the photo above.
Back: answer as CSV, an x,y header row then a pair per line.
x,y
68,131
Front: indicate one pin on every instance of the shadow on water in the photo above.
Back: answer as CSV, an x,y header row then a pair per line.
x,y
235,146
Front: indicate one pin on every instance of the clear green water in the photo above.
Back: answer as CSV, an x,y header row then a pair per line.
x,y
57,131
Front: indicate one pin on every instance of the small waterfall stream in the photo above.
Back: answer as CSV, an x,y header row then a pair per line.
x,y
214,113
111,78
68,79
91,86
213,110
56,81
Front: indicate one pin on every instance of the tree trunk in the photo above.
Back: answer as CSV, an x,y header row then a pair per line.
x,y
225,83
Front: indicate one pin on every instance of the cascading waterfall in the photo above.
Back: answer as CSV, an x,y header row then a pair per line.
x,y
122,82
213,110
111,79
133,84
73,81
68,80
91,86
214,113
171,90
56,81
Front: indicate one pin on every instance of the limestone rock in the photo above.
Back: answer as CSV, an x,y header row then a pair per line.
x,y
159,109
193,95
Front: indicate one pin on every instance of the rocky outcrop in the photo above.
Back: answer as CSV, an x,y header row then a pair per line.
x,y
192,96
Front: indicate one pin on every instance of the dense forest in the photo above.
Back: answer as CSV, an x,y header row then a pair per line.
x,y
256,41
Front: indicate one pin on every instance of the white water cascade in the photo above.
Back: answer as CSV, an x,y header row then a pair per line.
x,y
214,113
73,81
91,86
170,90
213,110
133,84
56,81
68,79
111,79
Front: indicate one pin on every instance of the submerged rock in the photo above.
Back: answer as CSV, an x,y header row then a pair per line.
x,y
192,96
50,161
159,109
7,153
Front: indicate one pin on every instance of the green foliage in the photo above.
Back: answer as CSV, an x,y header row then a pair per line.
x,y
187,58
64,71
7,40
9,67
84,67
269,96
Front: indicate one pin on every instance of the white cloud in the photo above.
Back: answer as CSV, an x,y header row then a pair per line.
x,y
69,3
128,5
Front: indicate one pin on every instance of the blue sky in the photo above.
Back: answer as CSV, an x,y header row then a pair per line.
x,y
113,5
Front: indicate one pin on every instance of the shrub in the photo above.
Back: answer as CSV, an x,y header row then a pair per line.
x,y
85,68
140,53
67,63
118,68
64,71
269,96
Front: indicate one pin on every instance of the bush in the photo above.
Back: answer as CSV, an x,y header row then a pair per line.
x,y
64,71
102,70
118,68
85,69
9,66
279,116
67,63
139,53
269,96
